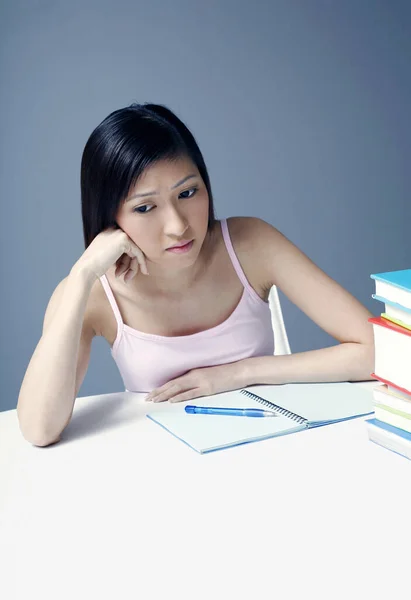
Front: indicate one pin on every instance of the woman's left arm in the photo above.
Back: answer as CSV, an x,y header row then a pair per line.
x,y
324,301
279,262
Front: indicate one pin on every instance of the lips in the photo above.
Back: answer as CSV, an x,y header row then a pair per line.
x,y
180,244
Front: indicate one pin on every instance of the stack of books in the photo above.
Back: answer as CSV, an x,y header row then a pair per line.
x,y
391,426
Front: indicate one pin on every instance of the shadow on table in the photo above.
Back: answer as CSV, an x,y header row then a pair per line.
x,y
107,413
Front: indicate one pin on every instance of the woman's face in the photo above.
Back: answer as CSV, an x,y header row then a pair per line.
x,y
174,208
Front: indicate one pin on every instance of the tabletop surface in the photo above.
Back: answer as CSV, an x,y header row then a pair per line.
x,y
119,508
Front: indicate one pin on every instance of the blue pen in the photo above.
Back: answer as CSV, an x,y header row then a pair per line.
x,y
234,412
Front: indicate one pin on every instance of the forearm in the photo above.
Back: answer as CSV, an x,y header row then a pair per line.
x,y
47,392
343,362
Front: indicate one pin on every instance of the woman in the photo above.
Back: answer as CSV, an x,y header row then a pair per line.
x,y
181,297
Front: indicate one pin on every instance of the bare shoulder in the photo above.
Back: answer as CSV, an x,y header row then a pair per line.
x,y
255,242
251,238
252,233
276,259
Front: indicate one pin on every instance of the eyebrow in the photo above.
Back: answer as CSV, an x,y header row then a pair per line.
x,y
156,193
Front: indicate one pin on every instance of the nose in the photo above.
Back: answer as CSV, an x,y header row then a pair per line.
x,y
175,224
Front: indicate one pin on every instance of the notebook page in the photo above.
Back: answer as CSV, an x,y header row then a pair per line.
x,y
319,402
205,433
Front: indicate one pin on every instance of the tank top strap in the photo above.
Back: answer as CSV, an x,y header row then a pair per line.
x,y
236,263
112,300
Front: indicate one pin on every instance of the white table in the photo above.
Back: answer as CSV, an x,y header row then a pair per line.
x,y
120,509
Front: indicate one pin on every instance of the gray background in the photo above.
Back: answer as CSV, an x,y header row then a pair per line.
x,y
301,110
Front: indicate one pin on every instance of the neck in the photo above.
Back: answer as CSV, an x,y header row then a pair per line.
x,y
180,282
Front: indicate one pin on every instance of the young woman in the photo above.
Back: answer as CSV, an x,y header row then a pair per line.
x,y
181,297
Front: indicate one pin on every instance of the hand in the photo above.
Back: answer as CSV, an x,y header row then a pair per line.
x,y
199,382
109,247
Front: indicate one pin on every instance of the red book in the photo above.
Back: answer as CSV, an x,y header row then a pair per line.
x,y
390,384
392,353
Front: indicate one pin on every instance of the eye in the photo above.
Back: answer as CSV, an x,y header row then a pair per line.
x,y
194,190
142,212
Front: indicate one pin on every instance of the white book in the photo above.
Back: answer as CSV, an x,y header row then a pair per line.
x,y
387,416
393,391
402,316
386,398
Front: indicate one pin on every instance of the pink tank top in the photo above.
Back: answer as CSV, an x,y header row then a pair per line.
x,y
147,361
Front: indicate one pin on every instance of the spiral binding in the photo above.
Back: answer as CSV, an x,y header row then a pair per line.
x,y
282,411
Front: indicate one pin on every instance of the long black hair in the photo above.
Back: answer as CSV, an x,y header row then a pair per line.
x,y
117,152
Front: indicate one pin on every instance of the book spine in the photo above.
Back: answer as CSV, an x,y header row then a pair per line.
x,y
278,409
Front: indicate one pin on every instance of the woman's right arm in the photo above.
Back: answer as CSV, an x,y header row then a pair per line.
x,y
60,360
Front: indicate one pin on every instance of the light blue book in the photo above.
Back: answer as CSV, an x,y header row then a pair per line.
x,y
389,437
401,315
391,303
298,406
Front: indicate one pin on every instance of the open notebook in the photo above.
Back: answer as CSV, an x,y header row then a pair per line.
x,y
298,406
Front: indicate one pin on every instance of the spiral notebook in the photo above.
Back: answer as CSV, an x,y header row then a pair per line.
x,y
298,406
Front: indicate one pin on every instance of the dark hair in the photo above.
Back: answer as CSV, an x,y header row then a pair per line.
x,y
118,151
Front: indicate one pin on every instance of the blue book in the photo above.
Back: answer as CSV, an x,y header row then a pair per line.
x,y
389,437
298,406
400,279
393,287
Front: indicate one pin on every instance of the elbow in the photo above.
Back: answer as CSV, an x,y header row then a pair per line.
x,y
365,362
39,438
41,441
36,436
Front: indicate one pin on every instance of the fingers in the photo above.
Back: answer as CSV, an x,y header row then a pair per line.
x,y
130,263
135,252
132,269
122,265
129,266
